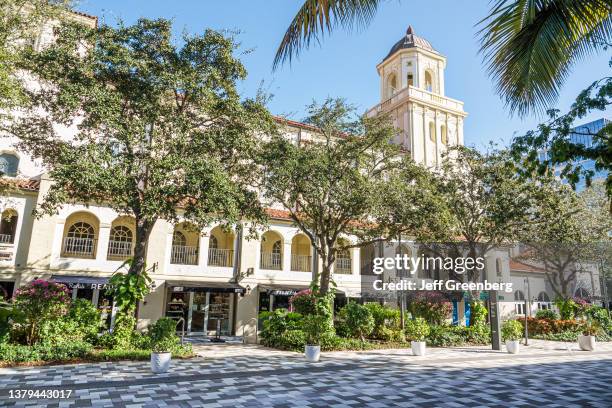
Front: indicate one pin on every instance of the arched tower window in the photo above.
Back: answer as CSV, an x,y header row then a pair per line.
x,y
391,85
410,79
432,131
444,135
429,84
9,164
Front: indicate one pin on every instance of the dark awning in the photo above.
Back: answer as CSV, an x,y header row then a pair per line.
x,y
82,282
285,290
191,286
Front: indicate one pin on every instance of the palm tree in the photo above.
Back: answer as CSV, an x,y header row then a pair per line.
x,y
316,17
529,45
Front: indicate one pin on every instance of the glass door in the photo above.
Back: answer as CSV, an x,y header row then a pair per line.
x,y
198,312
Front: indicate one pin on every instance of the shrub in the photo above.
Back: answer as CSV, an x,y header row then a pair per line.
x,y
478,334
567,308
303,302
40,301
432,306
417,329
546,314
123,332
17,353
87,317
384,318
512,330
443,336
601,316
315,326
162,335
358,319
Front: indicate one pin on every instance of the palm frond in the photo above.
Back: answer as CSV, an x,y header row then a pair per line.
x,y
529,46
316,17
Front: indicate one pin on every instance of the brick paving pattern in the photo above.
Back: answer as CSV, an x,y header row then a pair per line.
x,y
234,375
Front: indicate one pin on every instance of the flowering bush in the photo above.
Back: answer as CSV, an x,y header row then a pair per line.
x,y
40,301
303,302
431,306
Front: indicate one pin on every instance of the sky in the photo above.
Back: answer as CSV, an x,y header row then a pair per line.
x,y
344,65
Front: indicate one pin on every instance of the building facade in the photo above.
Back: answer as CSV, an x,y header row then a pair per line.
x,y
216,281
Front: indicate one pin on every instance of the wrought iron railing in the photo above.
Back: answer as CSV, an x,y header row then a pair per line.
x,y
343,266
271,260
184,255
220,257
119,249
6,239
301,263
81,247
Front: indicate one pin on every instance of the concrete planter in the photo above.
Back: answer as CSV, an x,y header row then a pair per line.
x,y
418,348
586,343
513,346
160,362
312,353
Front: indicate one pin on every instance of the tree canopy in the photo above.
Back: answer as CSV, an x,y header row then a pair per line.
x,y
151,128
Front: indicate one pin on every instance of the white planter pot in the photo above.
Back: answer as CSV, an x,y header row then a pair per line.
x,y
586,343
160,362
513,346
312,353
418,348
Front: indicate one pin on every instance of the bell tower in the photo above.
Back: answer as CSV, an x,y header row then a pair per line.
x,y
412,94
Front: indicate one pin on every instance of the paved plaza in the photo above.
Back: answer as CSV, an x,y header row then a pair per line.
x,y
235,375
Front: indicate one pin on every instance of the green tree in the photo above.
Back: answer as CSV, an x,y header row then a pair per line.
x,y
332,186
530,47
571,236
564,153
487,203
154,130
20,23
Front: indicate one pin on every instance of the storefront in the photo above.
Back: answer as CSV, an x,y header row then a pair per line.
x,y
204,308
273,297
92,288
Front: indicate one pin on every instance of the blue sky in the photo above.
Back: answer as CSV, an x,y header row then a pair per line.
x,y
344,65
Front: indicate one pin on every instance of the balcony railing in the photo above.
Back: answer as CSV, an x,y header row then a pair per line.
x,y
220,257
6,239
271,260
184,255
119,249
301,263
343,266
79,247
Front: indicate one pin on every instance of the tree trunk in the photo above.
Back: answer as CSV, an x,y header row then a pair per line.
x,y
143,231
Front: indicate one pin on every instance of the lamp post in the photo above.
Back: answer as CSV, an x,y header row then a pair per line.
x,y
526,310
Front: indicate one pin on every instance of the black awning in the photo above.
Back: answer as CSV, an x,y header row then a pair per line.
x,y
282,290
82,282
191,286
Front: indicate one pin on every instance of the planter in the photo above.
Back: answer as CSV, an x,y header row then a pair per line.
x,y
512,346
418,348
312,353
160,362
586,343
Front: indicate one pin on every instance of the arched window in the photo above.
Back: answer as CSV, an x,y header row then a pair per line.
x,y
429,81
121,233
498,267
581,293
81,230
444,135
212,242
8,226
178,239
519,296
432,131
80,240
391,85
276,248
543,297
9,164
410,79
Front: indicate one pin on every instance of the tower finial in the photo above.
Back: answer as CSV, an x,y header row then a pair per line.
x,y
409,30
